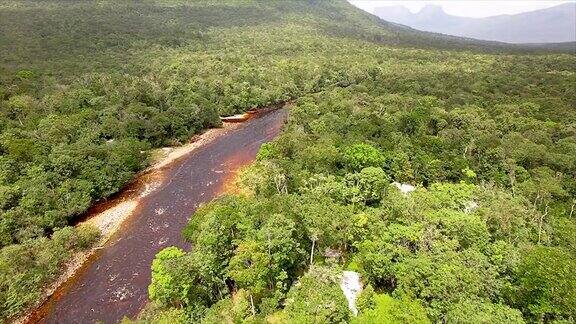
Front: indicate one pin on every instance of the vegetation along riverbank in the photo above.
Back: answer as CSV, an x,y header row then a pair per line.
x,y
484,131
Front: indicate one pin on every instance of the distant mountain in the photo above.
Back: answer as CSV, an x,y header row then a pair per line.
x,y
551,25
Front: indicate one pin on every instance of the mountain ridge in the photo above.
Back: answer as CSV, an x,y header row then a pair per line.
x,y
523,28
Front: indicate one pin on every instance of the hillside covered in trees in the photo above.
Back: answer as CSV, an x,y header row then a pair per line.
x,y
486,133
486,237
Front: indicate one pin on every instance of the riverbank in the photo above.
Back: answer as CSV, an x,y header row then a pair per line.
x,y
108,216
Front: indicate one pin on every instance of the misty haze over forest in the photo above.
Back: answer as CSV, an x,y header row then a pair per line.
x,y
550,25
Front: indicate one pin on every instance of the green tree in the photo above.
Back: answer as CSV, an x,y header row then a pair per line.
x,y
472,311
360,156
388,310
546,284
367,187
164,288
250,269
317,298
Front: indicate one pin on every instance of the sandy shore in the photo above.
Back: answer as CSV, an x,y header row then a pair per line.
x,y
110,220
170,154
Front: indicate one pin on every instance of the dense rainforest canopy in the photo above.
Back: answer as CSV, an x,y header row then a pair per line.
x,y
486,132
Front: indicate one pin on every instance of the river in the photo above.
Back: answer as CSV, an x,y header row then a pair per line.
x,y
114,282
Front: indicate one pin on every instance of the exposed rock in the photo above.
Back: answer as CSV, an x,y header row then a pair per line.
x,y
404,187
352,287
470,207
332,253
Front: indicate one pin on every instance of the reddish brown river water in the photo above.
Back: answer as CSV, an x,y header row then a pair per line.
x,y
114,282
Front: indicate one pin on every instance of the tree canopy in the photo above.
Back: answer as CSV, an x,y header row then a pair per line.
x,y
485,133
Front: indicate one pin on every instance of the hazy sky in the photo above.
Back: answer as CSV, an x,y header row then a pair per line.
x,y
466,8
